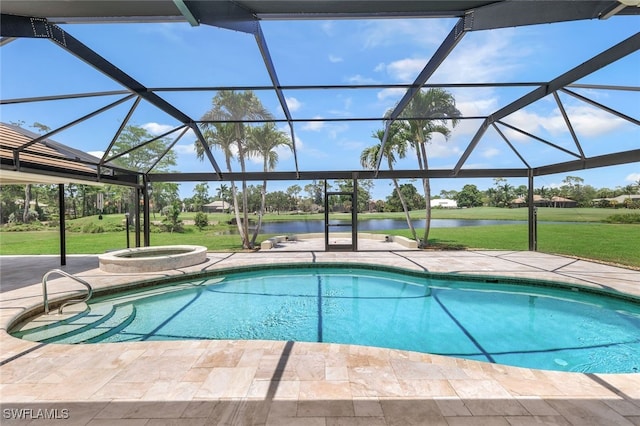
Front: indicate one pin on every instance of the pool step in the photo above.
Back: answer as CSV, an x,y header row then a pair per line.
x,y
46,326
93,322
122,316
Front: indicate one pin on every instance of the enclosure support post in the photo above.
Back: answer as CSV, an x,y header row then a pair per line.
x,y
533,217
146,219
136,210
63,240
354,213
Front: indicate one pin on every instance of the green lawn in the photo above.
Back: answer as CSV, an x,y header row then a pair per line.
x,y
604,242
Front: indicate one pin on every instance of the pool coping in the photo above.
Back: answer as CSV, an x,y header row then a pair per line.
x,y
381,379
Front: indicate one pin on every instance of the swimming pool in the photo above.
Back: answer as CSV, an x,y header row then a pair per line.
x,y
542,326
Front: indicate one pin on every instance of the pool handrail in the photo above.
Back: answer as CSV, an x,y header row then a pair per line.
x,y
68,302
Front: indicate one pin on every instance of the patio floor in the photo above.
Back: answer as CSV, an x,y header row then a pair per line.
x,y
287,383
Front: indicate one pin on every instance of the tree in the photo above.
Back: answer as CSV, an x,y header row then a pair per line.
x,y
234,107
396,144
293,192
137,149
363,196
171,221
315,190
163,194
223,193
502,193
469,196
450,194
428,112
407,194
263,143
277,201
200,196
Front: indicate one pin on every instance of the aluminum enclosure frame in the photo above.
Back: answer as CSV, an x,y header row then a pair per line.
x,y
40,19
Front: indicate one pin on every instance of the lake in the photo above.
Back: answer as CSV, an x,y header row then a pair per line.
x,y
309,226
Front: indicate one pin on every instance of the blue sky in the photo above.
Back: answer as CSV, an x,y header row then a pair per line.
x,y
342,52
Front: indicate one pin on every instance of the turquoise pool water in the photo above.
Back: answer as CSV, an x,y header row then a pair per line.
x,y
529,326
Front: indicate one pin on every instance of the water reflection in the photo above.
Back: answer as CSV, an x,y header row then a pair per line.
x,y
309,226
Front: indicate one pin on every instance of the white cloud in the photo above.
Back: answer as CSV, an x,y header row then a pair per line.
x,y
483,57
396,94
587,121
328,27
491,152
335,129
406,70
335,59
441,148
293,104
359,79
476,106
387,32
97,154
523,120
156,128
345,111
314,126
189,149
633,177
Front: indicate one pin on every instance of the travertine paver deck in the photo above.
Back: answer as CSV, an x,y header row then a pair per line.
x,y
282,383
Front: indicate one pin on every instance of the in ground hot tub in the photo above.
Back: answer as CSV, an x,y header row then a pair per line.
x,y
152,259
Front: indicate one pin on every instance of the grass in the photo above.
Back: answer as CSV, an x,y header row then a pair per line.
x,y
592,239
609,243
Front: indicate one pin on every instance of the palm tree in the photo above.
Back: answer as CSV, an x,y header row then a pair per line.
x,y
223,135
237,107
223,193
396,142
262,142
430,111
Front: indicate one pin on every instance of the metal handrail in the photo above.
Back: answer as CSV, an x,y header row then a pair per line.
x,y
68,302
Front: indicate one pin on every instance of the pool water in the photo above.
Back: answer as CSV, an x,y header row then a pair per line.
x,y
512,324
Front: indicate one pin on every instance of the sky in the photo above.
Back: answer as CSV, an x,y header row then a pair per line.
x,y
342,52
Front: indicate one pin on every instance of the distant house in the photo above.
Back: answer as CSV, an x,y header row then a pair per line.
x,y
539,201
444,203
563,202
620,199
216,207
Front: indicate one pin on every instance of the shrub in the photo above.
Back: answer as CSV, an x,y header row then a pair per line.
x,y
92,228
22,227
171,222
16,217
201,220
623,218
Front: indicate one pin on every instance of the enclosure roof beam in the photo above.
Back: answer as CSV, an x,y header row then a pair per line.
x,y
40,28
617,158
446,47
599,61
602,107
336,174
565,117
266,56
